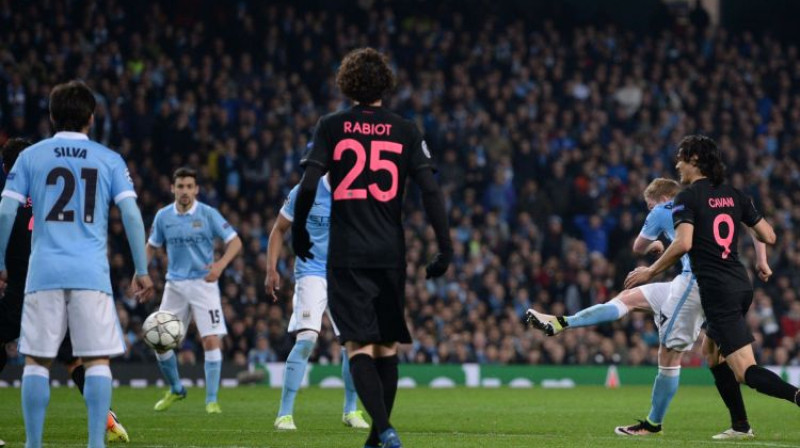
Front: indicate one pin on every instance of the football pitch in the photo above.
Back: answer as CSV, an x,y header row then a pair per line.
x,y
458,417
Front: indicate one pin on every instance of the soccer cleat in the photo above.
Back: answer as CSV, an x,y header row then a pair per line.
x,y
169,398
355,419
732,434
285,423
643,428
115,432
550,325
390,439
213,408
2,443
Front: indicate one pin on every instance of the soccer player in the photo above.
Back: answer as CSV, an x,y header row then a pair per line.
x,y
188,228
675,305
369,153
310,302
71,182
706,216
17,256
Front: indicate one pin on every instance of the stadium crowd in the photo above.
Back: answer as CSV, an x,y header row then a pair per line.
x,y
545,138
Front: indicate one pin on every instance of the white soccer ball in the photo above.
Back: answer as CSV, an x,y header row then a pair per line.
x,y
162,331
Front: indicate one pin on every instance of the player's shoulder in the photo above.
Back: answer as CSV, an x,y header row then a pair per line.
x,y
166,210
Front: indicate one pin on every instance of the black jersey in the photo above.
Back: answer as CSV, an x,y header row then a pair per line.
x,y
19,248
369,153
715,212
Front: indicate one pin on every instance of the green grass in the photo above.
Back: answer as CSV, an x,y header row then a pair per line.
x,y
580,417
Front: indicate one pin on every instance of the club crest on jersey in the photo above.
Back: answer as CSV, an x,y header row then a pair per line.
x,y
197,224
425,149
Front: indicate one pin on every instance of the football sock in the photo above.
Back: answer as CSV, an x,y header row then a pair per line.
x,y
387,371
213,366
731,394
3,356
598,314
35,397
168,363
767,382
664,388
79,377
97,394
370,390
293,374
350,394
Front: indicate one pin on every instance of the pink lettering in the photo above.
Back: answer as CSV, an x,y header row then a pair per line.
x,y
720,202
348,127
381,129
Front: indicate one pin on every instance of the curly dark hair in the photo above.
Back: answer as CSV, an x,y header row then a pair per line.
x,y
365,75
708,156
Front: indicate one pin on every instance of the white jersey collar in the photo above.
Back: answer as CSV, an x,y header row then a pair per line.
x,y
69,135
191,210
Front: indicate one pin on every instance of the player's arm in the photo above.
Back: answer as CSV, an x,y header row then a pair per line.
x,y
762,264
678,248
232,248
8,213
306,192
274,247
433,202
764,232
644,246
134,229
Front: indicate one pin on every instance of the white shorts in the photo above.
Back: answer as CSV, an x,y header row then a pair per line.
x,y
677,311
195,298
90,315
310,301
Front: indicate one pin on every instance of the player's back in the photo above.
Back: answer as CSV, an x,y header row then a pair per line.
x,y
371,152
718,211
71,182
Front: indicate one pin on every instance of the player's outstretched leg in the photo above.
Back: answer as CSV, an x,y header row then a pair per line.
x,y
213,370
614,309
35,398
351,416
549,324
97,394
293,373
168,364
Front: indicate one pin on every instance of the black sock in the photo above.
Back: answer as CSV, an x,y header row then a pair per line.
x,y
3,356
387,371
79,377
731,394
370,390
767,382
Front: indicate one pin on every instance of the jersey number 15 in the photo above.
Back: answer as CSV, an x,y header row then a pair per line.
x,y
376,163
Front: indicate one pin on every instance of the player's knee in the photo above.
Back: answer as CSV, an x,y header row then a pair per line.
x,y
211,342
310,339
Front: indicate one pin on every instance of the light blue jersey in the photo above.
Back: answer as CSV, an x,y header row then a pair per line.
x,y
318,225
659,221
189,238
71,181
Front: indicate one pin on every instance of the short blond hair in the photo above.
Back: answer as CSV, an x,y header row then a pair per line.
x,y
661,187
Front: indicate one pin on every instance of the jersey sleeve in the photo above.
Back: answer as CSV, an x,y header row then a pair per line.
x,y
288,205
750,214
156,232
420,155
651,228
18,180
121,182
221,227
319,148
684,208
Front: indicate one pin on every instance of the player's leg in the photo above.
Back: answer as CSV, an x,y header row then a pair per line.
x,y
386,362
96,336
743,364
293,374
351,416
368,384
176,303
730,392
35,398
206,307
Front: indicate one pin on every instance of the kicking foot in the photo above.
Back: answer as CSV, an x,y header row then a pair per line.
x,y
550,325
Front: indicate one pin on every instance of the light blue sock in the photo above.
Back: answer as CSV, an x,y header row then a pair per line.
x,y
664,388
168,363
350,394
97,394
293,374
213,368
35,398
597,314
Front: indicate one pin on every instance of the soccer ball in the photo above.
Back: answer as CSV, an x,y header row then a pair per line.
x,y
163,331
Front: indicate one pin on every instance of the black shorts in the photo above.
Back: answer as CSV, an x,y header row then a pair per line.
x,y
368,305
11,315
725,317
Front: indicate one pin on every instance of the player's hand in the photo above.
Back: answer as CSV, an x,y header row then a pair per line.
x,y
438,266
638,276
142,287
273,284
764,272
301,243
214,272
655,248
3,283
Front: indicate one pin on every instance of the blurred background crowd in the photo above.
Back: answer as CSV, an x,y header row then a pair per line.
x,y
545,135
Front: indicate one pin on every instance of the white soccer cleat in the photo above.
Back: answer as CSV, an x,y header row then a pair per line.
x,y
355,419
732,434
285,423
